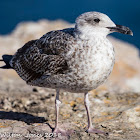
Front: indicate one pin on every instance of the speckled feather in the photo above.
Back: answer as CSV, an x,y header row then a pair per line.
x,y
42,56
72,59
75,59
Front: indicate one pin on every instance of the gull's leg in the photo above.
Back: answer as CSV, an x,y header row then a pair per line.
x,y
90,126
57,105
57,129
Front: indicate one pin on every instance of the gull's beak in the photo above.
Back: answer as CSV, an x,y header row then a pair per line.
x,y
121,29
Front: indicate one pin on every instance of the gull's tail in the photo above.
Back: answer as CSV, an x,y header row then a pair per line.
x,y
6,59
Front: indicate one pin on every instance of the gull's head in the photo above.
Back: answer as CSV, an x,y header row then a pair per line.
x,y
91,23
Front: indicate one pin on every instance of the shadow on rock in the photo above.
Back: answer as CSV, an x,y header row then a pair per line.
x,y
25,117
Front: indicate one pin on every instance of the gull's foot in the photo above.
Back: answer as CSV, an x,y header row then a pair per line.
x,y
60,132
96,131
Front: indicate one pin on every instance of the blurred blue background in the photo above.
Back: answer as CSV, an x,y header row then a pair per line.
x,y
123,12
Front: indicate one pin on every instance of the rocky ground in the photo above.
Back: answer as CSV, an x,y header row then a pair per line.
x,y
27,112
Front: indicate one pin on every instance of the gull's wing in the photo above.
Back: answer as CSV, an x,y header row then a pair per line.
x,y
43,56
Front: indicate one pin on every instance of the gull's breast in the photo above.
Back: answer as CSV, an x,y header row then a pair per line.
x,y
92,64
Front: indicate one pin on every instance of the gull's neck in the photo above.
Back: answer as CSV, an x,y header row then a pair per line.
x,y
87,33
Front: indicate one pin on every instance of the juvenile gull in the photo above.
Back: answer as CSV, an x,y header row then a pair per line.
x,y
74,59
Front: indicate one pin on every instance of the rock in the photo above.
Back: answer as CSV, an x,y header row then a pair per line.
x,y
126,72
30,110
117,114
133,116
27,31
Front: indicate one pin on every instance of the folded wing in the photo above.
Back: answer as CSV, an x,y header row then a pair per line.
x,y
42,56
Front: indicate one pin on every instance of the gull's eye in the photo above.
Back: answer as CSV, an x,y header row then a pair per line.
x,y
97,20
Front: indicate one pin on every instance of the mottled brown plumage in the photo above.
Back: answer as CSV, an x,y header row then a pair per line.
x,y
43,56
75,59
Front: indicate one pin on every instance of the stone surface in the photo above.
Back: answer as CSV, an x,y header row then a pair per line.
x,y
27,112
126,72
118,114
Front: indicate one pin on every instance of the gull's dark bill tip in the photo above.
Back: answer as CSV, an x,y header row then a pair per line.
x,y
121,29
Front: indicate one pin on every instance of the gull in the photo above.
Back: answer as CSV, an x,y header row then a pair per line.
x,y
76,59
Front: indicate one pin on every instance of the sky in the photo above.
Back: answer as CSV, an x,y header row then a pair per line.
x,y
123,12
